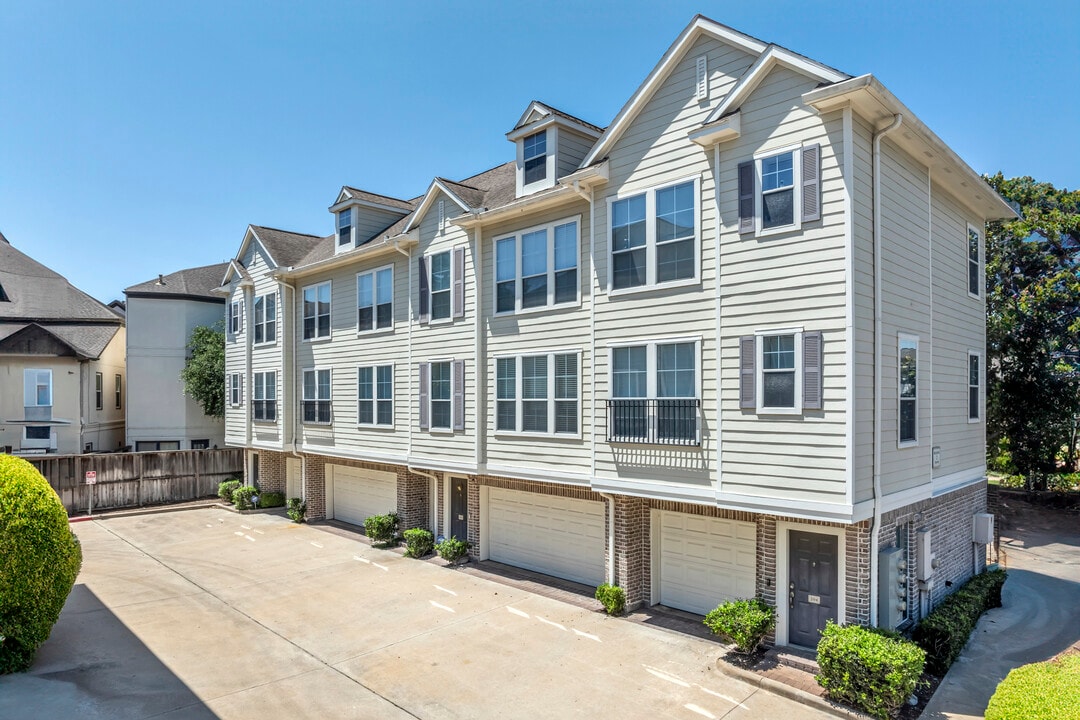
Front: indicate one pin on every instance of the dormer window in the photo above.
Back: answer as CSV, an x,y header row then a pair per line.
x,y
535,157
344,227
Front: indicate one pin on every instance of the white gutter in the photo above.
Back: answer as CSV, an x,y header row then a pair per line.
x,y
875,525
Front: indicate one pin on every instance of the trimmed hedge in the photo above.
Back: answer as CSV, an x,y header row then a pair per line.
x,y
612,597
418,542
242,497
271,499
451,550
1041,691
381,528
742,622
226,488
944,632
39,560
871,671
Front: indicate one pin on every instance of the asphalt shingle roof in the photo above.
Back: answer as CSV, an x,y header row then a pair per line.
x,y
35,292
406,205
197,282
287,248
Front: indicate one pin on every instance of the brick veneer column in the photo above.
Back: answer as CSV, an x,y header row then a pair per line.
x,y
413,507
631,553
474,518
271,471
315,486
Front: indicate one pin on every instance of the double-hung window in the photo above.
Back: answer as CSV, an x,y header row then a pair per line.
x,y
908,390
655,236
780,189
236,389
235,316
535,157
316,397
654,393
781,371
317,311
264,396
99,390
974,266
265,324
537,267
375,299
440,285
344,227
375,393
442,395
537,394
778,376
974,387
119,394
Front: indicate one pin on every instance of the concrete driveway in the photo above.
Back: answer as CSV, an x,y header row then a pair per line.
x,y
205,613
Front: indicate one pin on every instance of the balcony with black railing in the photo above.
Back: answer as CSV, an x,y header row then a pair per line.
x,y
654,421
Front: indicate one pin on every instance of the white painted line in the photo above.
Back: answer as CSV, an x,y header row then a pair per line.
x,y
250,538
666,676
552,624
381,567
699,710
221,520
209,525
238,532
517,612
448,592
720,695
260,532
363,560
245,527
315,543
586,635
440,606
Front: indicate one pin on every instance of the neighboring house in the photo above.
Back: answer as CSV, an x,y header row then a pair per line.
x,y
61,363
729,345
161,315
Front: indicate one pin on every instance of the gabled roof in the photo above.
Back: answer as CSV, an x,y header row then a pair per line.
x,y
85,341
35,292
193,282
370,198
489,189
538,111
283,248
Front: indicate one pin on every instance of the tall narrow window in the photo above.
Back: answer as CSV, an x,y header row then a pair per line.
x,y
316,397
440,286
974,385
675,219
535,157
234,317
534,269
628,242
99,390
375,390
317,311
506,275
441,397
265,323
566,259
264,397
908,390
777,190
344,227
506,394
778,371
119,393
566,393
974,279
534,393
375,300
236,389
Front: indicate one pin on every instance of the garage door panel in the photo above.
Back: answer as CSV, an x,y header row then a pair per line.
x,y
705,561
359,493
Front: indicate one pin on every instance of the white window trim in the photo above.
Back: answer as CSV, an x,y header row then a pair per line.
x,y
967,262
517,235
236,389
551,146
796,195
432,320
330,400
518,399
264,324
431,413
235,320
982,372
374,273
901,338
330,332
759,371
99,391
650,239
254,397
375,397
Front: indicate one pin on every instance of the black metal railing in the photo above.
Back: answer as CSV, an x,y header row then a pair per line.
x,y
654,422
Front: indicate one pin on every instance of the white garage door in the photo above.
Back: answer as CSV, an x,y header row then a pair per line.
x,y
705,561
557,536
359,494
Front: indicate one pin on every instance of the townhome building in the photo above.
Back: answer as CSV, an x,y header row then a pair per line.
x,y
729,345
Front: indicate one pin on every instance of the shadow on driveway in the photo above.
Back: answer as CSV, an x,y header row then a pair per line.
x,y
92,666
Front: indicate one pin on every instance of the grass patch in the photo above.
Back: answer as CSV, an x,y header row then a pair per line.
x,y
1041,691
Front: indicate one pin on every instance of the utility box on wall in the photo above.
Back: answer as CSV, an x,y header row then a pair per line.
x,y
892,587
983,529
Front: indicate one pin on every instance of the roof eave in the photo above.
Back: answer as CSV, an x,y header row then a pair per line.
x,y
367,251
531,203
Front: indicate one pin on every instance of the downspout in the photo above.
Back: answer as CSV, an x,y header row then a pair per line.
x,y
875,525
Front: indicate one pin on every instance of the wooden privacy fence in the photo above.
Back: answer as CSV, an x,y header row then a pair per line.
x,y
135,479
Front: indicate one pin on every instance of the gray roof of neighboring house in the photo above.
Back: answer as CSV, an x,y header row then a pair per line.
x,y
35,292
406,205
87,341
193,282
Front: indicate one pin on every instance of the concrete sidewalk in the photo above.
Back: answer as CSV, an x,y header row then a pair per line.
x,y
1039,617
207,614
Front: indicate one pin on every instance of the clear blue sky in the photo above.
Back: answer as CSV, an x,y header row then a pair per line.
x,y
140,138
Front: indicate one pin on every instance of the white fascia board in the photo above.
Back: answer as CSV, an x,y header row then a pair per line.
x,y
660,72
429,198
718,131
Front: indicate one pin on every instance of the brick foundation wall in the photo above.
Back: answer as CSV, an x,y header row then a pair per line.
x,y
271,471
413,500
314,480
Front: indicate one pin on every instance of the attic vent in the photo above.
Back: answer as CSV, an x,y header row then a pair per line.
x,y
442,214
701,87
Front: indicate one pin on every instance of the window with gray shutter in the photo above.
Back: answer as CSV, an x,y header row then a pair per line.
x,y
813,371
747,378
746,197
425,290
811,183
425,385
459,394
459,282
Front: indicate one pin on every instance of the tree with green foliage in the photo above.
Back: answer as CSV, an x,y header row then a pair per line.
x,y
1033,328
204,373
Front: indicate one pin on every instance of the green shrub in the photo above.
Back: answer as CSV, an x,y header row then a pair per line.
x,y
868,670
242,497
271,499
39,560
296,509
944,632
418,542
452,550
382,528
612,597
1040,691
742,622
226,489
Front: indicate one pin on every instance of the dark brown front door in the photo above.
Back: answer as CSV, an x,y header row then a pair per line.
x,y
459,508
812,586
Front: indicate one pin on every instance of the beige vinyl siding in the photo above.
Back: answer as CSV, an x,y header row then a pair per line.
x,y
863,229
572,150
959,327
265,357
452,339
368,222
559,328
788,280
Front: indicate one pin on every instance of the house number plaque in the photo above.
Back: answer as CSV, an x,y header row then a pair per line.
x,y
815,599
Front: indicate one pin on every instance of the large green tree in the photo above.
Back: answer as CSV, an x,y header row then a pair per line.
x,y
1033,326
204,373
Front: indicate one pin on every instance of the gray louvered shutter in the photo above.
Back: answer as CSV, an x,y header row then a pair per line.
x,y
746,196
425,290
747,379
240,319
459,395
813,370
459,282
425,390
811,183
